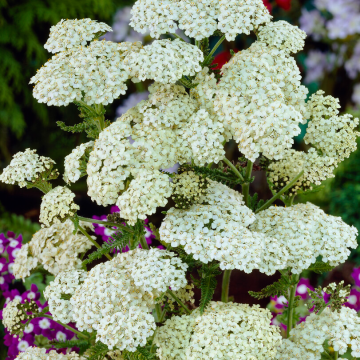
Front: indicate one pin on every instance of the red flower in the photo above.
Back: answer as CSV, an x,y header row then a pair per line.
x,y
221,59
285,4
267,4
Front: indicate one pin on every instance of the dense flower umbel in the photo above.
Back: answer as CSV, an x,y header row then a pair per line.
x,y
123,296
224,331
69,34
56,248
306,232
341,329
35,353
199,19
57,205
25,168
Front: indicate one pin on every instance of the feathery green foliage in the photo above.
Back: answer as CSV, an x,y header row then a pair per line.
x,y
83,345
254,204
139,354
221,175
97,351
320,267
208,284
277,288
119,242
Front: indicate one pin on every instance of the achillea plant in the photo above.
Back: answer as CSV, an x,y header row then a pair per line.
x,y
121,307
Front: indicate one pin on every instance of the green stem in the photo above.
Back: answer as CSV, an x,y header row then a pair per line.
x,y
246,186
88,107
214,49
233,168
178,301
92,240
291,304
336,355
107,223
143,242
78,333
158,311
178,37
225,286
327,305
282,191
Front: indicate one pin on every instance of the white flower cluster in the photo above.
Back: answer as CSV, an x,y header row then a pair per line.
x,y
65,283
157,270
95,74
69,34
339,329
11,315
260,100
75,163
316,169
24,263
224,331
26,167
118,309
164,61
283,36
216,229
306,232
56,248
149,190
199,19
334,135
57,205
36,353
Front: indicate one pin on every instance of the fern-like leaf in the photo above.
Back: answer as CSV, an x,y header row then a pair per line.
x,y
278,288
187,258
188,83
208,284
119,242
320,267
83,345
97,351
219,175
139,354
77,128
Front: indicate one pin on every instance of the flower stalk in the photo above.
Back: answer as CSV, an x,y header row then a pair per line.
x,y
225,286
292,290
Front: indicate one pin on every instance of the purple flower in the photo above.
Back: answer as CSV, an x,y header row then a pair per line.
x,y
279,303
356,276
302,287
354,300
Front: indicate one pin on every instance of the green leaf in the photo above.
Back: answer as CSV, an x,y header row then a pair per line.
x,y
320,267
139,354
97,351
188,83
315,189
83,345
77,128
75,221
187,258
278,288
119,242
208,284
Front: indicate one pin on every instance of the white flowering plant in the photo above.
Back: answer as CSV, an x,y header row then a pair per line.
x,y
138,304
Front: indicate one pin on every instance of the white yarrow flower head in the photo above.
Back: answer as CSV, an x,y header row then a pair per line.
x,y
283,36
27,168
193,336
57,205
56,248
340,330
75,163
121,301
261,101
65,283
307,232
148,191
316,169
199,19
164,61
24,263
94,74
68,34
11,316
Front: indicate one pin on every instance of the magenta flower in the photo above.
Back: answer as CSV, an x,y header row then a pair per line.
x,y
356,276
302,287
354,300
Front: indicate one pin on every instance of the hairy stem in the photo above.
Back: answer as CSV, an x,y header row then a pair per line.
x,y
78,333
178,301
233,168
291,309
143,242
214,49
225,286
177,36
107,223
93,241
282,191
246,186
